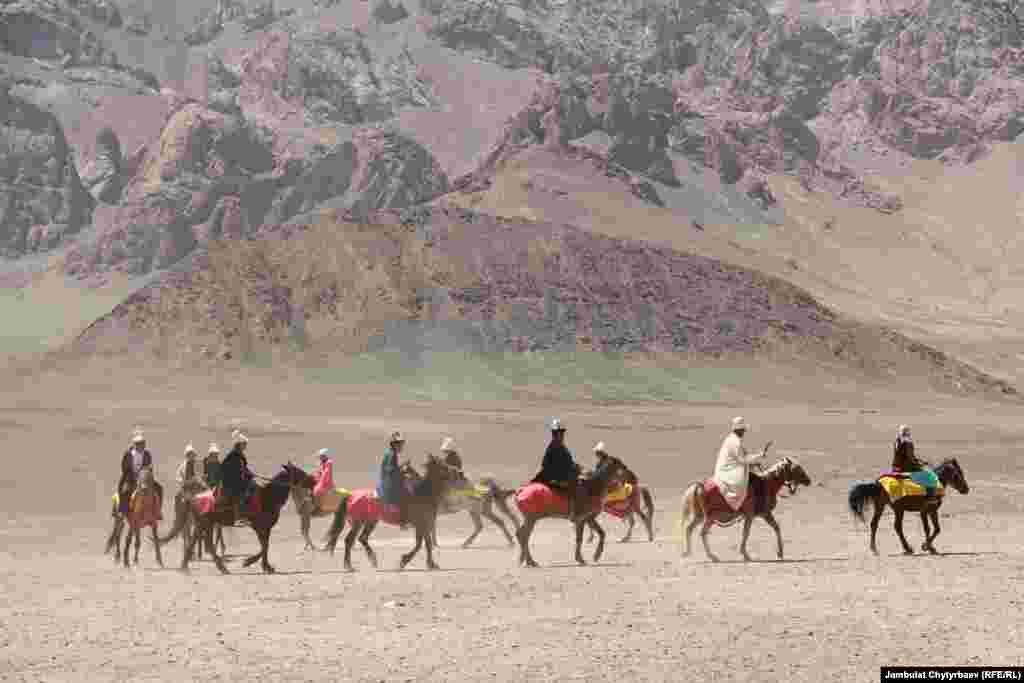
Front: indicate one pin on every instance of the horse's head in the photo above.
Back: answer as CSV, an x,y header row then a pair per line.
x,y
437,469
295,477
792,474
614,469
950,473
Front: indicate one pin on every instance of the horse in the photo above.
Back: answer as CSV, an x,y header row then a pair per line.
x,y
538,501
363,509
143,511
627,509
114,539
184,523
261,513
948,472
309,509
785,472
479,500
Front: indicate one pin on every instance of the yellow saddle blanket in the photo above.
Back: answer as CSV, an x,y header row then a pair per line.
x,y
331,500
619,494
900,488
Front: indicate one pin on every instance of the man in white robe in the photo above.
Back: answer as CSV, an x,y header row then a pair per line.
x,y
732,471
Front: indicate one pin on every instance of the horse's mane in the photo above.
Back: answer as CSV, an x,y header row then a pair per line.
x,y
775,469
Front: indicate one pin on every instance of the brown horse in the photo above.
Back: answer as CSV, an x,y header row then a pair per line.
x,y
365,512
590,495
261,513
184,523
143,511
309,508
696,509
479,500
949,473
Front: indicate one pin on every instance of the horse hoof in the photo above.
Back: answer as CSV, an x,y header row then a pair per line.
x,y
269,570
533,565
908,551
747,558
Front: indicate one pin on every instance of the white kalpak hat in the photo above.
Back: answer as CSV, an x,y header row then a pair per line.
x,y
213,449
739,423
599,448
238,437
190,449
448,445
137,437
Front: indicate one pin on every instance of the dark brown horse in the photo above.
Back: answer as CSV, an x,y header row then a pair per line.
x,y
949,473
184,524
589,500
364,512
261,513
696,508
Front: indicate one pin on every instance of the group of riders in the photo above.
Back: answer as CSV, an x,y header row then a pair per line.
x,y
234,483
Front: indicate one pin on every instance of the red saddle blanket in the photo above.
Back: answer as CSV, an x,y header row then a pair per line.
x,y
364,505
206,502
536,498
714,501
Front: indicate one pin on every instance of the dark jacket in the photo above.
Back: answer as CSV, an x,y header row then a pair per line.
x,y
390,487
558,465
235,473
211,472
903,458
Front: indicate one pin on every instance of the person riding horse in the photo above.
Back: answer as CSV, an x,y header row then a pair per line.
x,y
324,477
732,471
391,487
190,480
132,462
236,477
558,470
904,461
212,466
452,458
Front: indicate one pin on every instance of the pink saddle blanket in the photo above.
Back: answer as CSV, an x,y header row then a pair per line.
x,y
364,505
536,498
204,503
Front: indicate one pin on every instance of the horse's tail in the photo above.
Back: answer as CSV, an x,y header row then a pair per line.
x,y
181,513
860,492
337,524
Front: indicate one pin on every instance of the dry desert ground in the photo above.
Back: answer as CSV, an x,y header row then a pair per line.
x,y
830,611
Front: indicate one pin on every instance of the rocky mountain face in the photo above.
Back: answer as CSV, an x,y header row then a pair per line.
x,y
392,104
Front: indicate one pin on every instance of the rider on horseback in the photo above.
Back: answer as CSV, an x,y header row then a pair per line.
x,y
324,476
391,488
451,457
211,466
732,471
558,470
132,462
189,478
237,479
905,461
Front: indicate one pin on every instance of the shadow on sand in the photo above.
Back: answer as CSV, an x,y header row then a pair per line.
x,y
920,553
803,560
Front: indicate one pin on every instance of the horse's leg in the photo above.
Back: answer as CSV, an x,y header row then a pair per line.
x,y
523,534
249,561
927,529
208,532
747,521
704,539
507,511
264,536
220,539
933,514
364,540
478,527
128,545
429,538
898,524
596,528
579,542
774,524
879,509
648,519
304,522
500,523
350,540
688,532
197,537
156,546
420,532
631,521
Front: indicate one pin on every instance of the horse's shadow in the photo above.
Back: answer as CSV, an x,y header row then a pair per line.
x,y
589,565
979,553
802,560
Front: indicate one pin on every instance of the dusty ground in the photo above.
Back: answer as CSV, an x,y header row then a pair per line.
x,y
832,611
